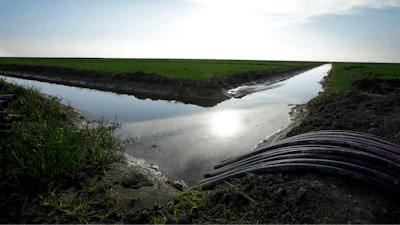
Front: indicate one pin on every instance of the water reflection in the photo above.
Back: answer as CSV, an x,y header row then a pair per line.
x,y
187,145
225,123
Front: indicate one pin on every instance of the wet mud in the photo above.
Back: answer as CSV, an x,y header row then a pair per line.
x,y
203,92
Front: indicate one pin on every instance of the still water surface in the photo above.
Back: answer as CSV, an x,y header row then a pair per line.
x,y
186,141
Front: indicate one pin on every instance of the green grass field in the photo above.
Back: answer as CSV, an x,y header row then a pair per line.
x,y
174,68
340,79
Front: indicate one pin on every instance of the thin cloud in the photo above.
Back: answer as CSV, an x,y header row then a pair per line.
x,y
289,12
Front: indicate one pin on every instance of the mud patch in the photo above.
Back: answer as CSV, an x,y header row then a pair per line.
x,y
353,67
377,86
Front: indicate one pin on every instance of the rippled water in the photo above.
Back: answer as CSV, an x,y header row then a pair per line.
x,y
186,141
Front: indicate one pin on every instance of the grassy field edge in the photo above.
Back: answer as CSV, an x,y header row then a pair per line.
x,y
342,75
172,68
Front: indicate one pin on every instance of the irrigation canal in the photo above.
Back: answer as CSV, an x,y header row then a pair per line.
x,y
186,141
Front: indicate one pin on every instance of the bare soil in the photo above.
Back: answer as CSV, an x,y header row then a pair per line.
x,y
367,108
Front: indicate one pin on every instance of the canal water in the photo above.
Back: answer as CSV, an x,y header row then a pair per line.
x,y
184,140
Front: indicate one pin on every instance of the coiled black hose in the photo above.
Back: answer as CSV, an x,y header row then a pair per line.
x,y
352,154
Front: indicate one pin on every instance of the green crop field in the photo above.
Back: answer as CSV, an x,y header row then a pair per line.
x,y
342,75
174,68
341,79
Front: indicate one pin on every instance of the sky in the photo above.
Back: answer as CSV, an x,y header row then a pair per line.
x,y
288,30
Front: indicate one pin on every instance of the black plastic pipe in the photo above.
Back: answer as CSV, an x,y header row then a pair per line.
x,y
302,167
5,133
11,97
349,133
366,140
6,120
3,115
332,134
15,117
354,144
340,164
365,157
5,126
316,151
4,104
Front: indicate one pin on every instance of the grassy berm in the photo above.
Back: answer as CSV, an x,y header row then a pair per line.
x,y
359,97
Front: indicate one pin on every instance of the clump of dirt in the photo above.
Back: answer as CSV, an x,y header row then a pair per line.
x,y
352,67
377,86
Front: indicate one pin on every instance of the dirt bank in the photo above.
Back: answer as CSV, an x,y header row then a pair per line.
x,y
202,92
367,108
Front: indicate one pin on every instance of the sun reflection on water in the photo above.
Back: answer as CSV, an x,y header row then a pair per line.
x,y
225,123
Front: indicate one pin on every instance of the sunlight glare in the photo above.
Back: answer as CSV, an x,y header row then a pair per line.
x,y
225,123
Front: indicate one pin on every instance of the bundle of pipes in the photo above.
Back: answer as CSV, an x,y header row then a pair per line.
x,y
7,119
365,157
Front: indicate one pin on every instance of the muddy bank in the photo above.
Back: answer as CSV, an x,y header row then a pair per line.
x,y
136,183
367,107
203,92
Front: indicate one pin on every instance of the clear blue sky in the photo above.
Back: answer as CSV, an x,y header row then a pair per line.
x,y
342,30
